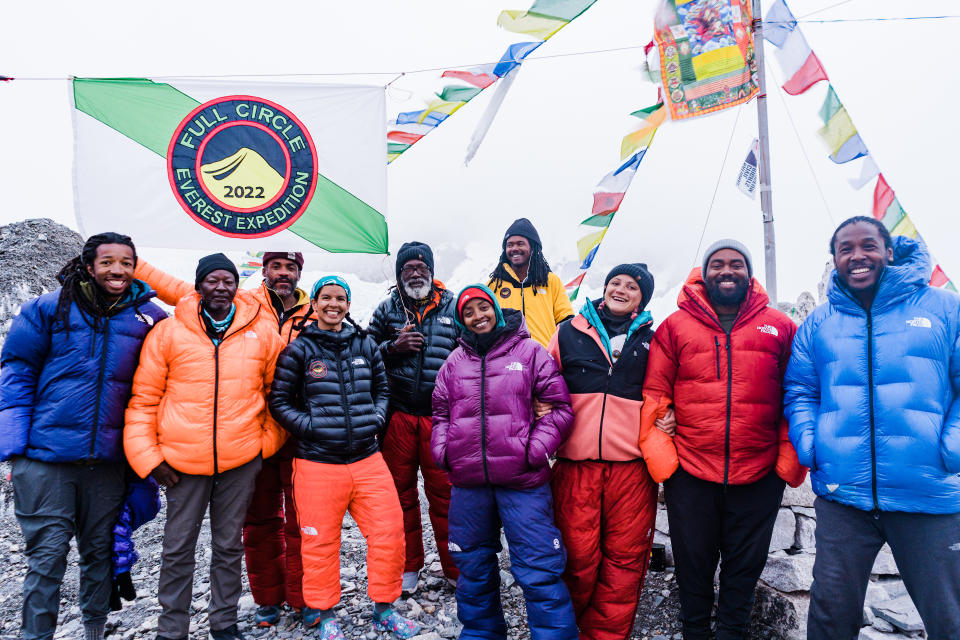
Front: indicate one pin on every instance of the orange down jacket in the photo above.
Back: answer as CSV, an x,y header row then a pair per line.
x,y
202,407
170,289
727,391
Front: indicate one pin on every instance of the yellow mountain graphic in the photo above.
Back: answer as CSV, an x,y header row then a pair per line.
x,y
242,180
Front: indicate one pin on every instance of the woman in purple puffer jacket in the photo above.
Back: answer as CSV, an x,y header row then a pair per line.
x,y
497,454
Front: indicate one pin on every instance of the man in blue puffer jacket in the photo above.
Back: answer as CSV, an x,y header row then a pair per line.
x,y
67,367
871,397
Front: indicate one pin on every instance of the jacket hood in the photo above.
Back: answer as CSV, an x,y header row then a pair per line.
x,y
188,311
514,330
910,271
498,312
589,311
694,300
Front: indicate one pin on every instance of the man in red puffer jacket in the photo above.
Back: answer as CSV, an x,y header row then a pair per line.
x,y
719,362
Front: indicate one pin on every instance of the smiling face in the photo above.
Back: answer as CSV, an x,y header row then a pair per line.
x,y
727,280
415,279
860,256
622,295
282,276
217,290
479,316
331,306
112,269
518,251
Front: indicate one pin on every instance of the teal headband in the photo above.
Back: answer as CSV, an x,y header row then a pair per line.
x,y
324,281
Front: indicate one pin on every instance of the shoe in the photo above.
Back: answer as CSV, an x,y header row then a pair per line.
x,y
266,616
330,630
452,582
390,620
411,580
311,617
230,633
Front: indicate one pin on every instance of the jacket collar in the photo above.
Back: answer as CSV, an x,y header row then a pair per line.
x,y
513,331
188,312
590,314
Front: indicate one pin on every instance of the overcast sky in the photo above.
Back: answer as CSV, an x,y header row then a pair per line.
x,y
557,134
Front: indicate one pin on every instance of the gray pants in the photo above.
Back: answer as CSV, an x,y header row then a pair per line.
x,y
925,547
53,503
227,495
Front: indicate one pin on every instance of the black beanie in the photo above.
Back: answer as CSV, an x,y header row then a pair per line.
x,y
523,227
414,251
638,271
213,262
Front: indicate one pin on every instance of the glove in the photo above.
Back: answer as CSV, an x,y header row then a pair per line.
x,y
122,588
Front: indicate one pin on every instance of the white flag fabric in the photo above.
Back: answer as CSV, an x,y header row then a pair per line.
x,y
747,178
228,164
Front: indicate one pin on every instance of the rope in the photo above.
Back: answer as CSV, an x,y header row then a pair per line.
x,y
717,186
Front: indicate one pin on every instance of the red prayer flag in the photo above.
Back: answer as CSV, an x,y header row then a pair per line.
x,y
882,198
576,281
604,203
403,136
808,75
482,80
939,278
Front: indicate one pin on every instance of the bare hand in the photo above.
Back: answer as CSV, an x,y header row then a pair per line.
x,y
408,341
668,423
165,475
541,409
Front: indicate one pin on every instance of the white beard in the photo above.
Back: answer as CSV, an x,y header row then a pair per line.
x,y
418,293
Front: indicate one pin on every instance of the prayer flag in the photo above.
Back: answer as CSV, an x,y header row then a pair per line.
x,y
882,197
800,64
778,24
868,171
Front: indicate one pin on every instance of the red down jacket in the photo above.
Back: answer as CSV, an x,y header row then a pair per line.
x,y
727,391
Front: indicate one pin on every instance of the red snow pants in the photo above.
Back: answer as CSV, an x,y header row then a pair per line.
x,y
323,493
271,537
406,448
605,512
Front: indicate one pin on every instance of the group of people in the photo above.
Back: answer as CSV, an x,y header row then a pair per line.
x,y
278,413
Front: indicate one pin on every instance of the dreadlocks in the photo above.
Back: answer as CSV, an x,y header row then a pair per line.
x,y
74,274
537,272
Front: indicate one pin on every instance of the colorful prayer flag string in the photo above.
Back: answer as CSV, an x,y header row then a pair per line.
x,y
542,21
803,69
612,188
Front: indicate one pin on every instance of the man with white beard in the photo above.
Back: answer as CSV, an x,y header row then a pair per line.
x,y
416,331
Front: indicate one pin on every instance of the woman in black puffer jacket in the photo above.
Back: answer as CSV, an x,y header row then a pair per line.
x,y
330,392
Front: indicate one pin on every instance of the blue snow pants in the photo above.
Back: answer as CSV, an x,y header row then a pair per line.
x,y
537,559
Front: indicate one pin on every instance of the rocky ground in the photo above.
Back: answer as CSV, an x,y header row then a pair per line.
x,y
433,605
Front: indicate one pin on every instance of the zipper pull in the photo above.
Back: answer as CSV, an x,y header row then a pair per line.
x,y
610,371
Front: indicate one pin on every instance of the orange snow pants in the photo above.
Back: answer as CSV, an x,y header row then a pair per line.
x,y
605,512
323,493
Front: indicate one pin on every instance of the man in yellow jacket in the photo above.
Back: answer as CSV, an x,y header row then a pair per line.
x,y
198,423
523,281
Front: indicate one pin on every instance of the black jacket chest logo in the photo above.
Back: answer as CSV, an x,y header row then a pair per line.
x,y
317,369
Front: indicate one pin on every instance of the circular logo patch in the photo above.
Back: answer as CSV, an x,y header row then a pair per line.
x,y
242,166
505,292
317,369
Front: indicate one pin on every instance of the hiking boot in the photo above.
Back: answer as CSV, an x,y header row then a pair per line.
x,y
266,616
390,620
230,633
411,580
313,617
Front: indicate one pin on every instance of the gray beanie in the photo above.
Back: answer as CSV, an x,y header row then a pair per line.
x,y
728,243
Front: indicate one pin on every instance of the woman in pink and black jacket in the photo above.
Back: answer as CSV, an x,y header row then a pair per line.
x,y
497,453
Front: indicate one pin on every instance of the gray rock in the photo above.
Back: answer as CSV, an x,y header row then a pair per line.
x,y
662,525
900,612
784,613
885,565
506,578
784,530
882,625
789,573
869,633
804,537
801,496
432,635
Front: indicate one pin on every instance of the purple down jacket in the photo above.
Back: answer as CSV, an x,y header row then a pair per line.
x,y
484,430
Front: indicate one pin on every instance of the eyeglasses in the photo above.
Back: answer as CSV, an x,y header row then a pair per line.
x,y
421,271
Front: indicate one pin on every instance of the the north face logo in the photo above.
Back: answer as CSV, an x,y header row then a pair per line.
x,y
445,320
515,366
358,362
920,321
148,320
768,328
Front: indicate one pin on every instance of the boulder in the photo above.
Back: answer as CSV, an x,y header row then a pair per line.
x,y
801,496
885,565
784,613
804,537
662,525
900,612
789,573
784,530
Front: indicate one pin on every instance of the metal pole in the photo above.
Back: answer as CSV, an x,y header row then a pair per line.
x,y
766,203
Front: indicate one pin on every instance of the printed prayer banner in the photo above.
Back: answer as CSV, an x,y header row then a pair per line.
x,y
214,164
706,55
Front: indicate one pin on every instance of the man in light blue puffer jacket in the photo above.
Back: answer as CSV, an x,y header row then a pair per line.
x,y
871,397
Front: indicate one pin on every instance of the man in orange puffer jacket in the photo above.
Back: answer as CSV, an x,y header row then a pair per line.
x,y
271,536
198,423
719,361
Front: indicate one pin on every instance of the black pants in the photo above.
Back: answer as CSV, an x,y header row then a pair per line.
x,y
55,502
734,526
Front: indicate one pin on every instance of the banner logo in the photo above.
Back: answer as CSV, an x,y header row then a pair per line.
x,y
242,166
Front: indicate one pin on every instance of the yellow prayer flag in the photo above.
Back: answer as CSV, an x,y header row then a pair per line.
x,y
520,21
838,130
439,106
586,244
904,228
633,142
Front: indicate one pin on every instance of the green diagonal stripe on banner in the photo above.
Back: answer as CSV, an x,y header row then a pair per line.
x,y
148,113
